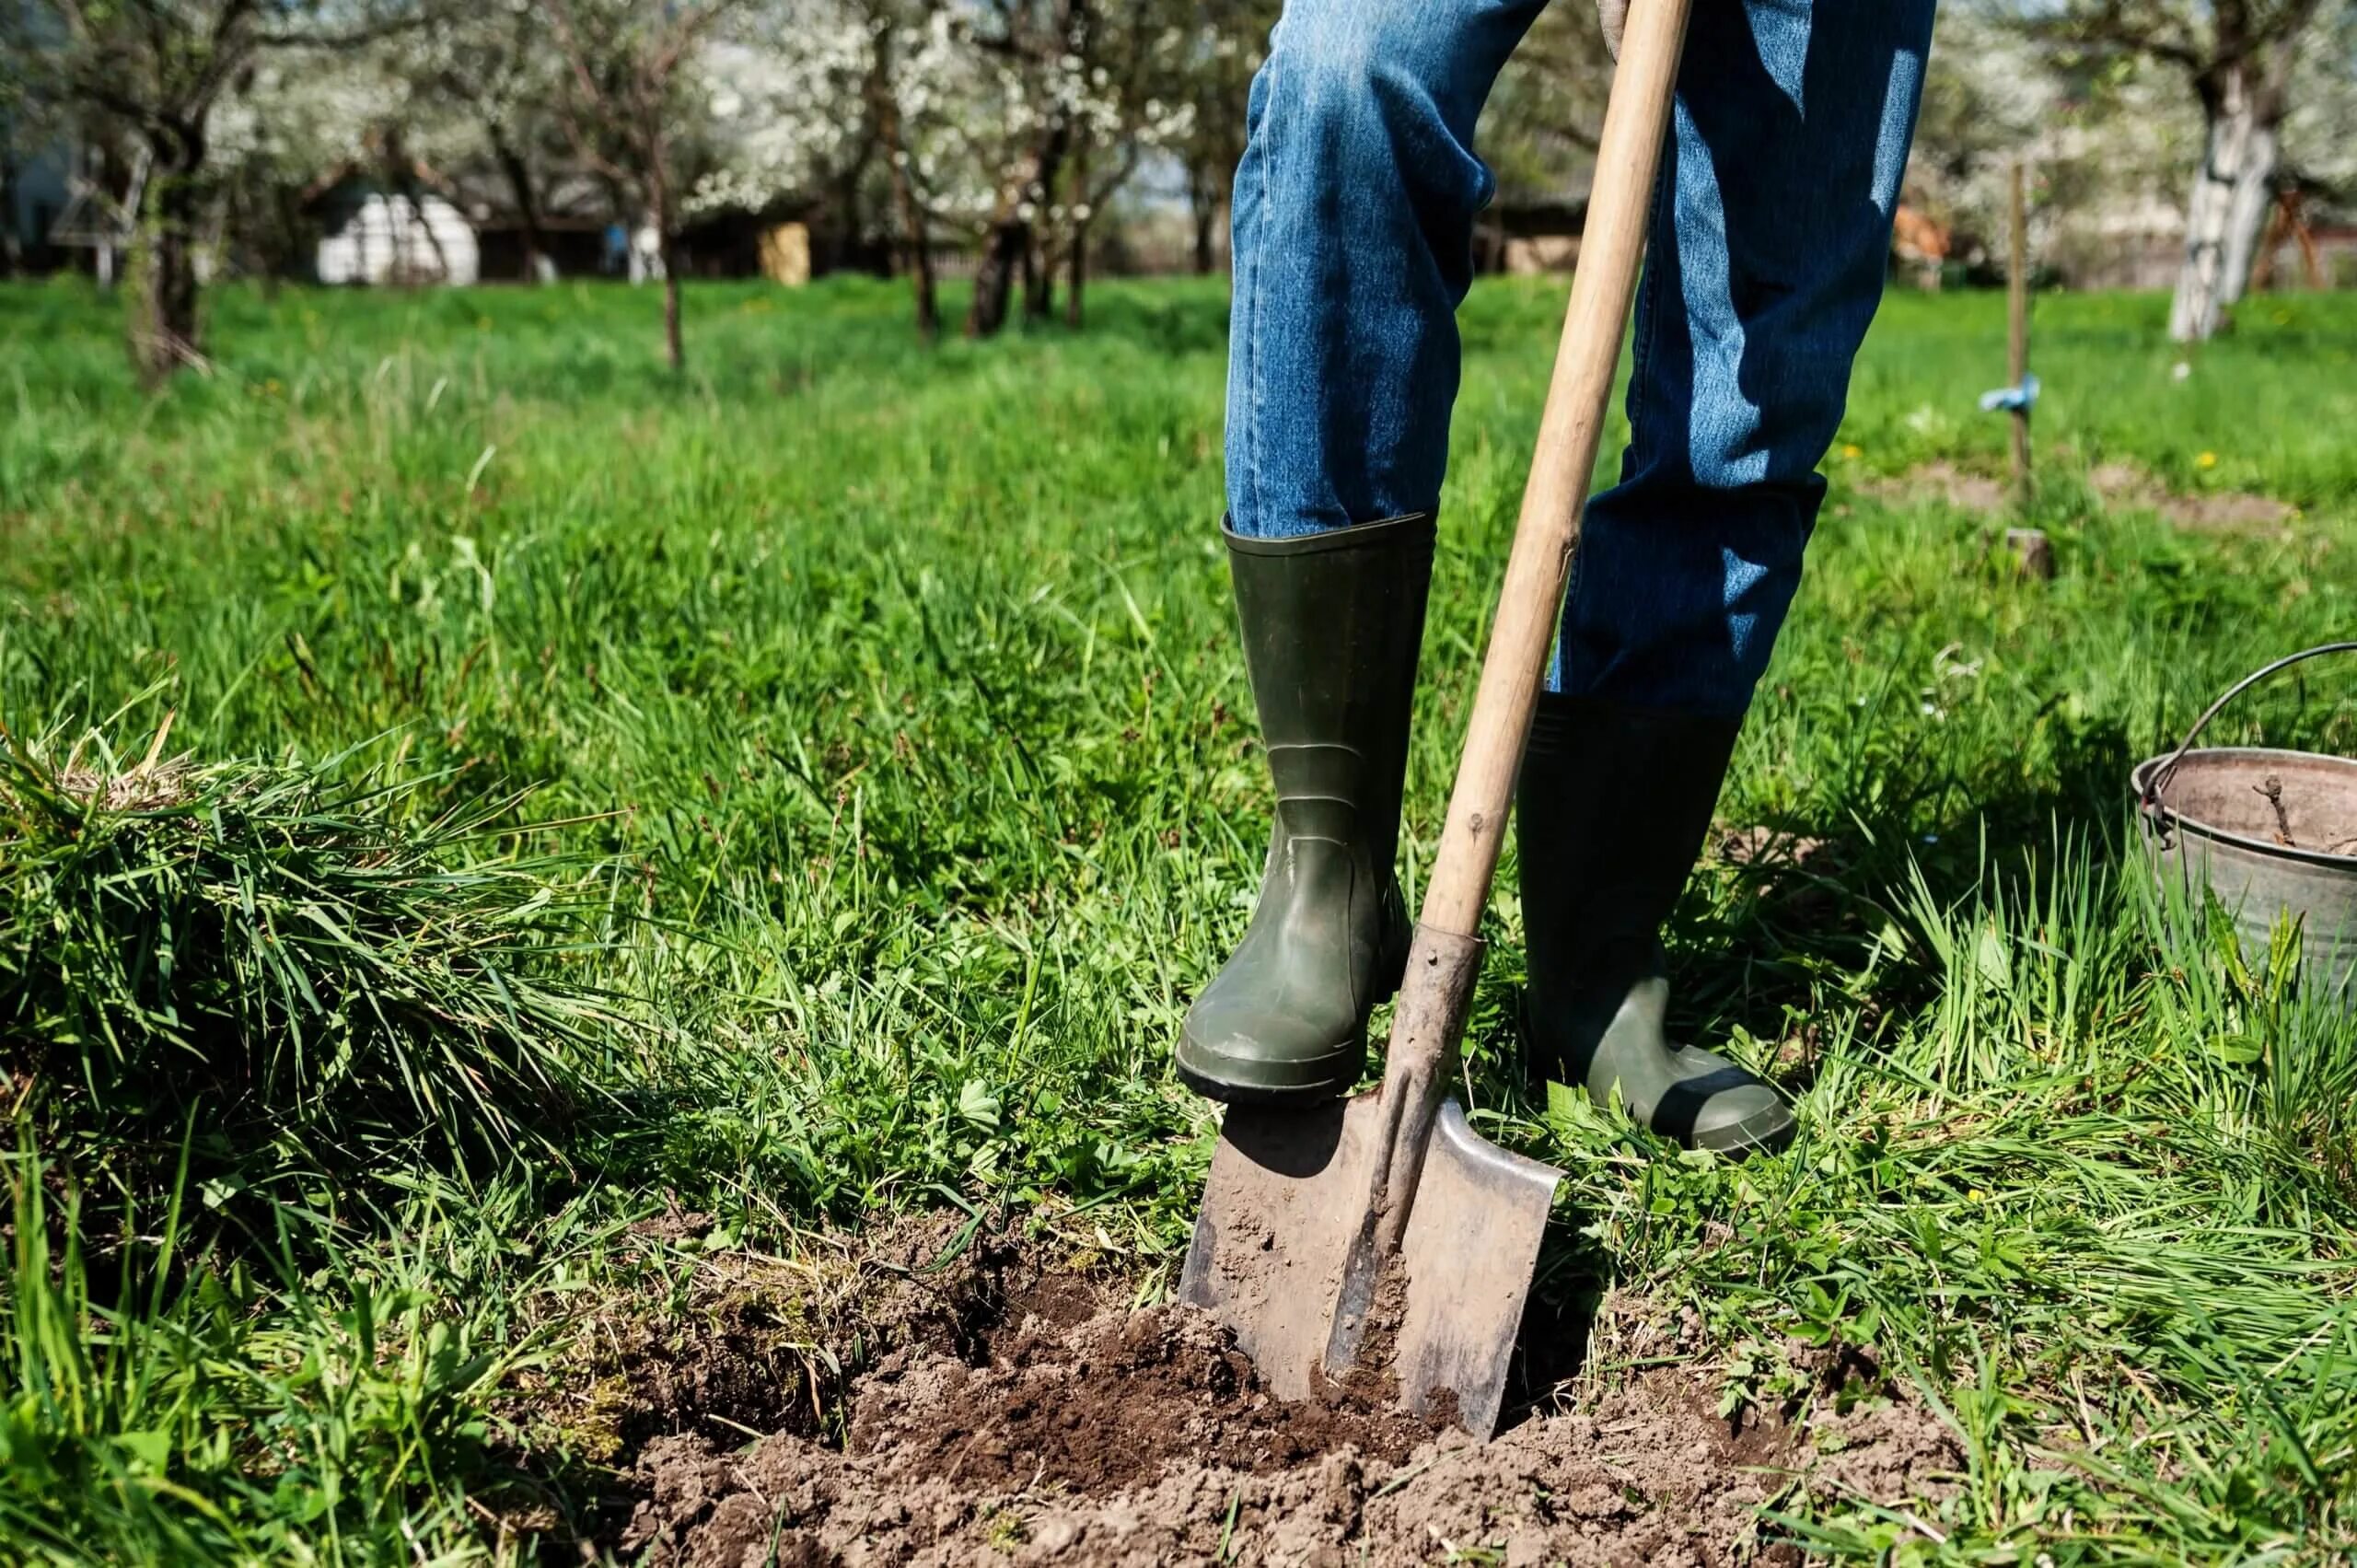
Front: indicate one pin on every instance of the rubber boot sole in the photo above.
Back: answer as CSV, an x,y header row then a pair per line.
x,y
1322,1078
1767,1131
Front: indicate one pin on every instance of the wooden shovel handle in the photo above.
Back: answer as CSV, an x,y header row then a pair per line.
x,y
1445,957
1604,280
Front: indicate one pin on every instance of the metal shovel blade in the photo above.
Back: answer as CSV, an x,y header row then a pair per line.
x,y
1282,1255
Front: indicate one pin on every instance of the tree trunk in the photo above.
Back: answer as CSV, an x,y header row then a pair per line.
x,y
1203,200
527,203
2242,103
675,347
11,257
916,246
164,333
2289,222
2246,209
1076,277
667,249
921,282
1039,282
1009,243
844,225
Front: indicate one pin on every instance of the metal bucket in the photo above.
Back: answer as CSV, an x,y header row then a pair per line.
x,y
2272,834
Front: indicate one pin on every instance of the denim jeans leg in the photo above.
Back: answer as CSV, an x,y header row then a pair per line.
x,y
1769,246
1353,215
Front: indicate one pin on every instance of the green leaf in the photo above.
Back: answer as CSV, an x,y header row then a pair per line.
x,y
149,1450
2240,1049
978,1104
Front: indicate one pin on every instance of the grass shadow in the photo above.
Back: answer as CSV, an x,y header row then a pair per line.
x,y
1787,921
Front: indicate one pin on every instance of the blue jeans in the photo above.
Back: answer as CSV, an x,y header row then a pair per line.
x,y
1354,220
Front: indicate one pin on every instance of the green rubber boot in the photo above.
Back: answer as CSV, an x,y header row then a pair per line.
x,y
1612,808
1332,624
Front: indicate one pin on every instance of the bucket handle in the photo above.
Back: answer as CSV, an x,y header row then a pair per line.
x,y
2166,771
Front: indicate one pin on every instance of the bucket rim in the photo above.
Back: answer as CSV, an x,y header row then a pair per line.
x,y
2140,780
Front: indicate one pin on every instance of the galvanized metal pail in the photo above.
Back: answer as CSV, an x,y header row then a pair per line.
x,y
2272,834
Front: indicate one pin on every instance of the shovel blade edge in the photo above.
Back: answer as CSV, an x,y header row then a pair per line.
x,y
1290,1189
1279,1254
1470,1252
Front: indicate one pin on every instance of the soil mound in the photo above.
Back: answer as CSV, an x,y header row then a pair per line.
x,y
1118,1438
1101,1406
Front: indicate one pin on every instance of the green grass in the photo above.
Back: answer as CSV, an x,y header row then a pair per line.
x,y
889,710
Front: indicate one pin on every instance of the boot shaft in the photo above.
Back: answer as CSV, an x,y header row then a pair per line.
x,y
1332,625
1610,814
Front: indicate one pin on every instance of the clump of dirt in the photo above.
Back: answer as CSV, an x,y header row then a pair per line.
x,y
1775,848
2124,485
1102,1405
746,1345
1118,1438
1942,480
2121,486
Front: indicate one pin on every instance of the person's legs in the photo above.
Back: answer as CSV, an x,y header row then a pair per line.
x,y
1771,239
1354,214
1770,231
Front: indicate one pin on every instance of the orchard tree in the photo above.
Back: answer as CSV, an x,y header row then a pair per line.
x,y
1126,102
1080,87
296,118
1224,41
786,85
907,50
487,66
635,102
922,92
952,110
1012,122
2238,57
1038,47
159,70
956,110
810,94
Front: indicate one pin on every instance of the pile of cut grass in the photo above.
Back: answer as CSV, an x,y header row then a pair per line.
x,y
305,966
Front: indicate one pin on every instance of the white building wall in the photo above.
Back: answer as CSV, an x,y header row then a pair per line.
x,y
390,239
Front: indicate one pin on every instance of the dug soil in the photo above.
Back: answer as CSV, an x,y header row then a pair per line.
x,y
2120,486
1029,1414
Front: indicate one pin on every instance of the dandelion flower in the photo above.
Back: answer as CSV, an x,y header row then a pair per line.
x,y
2206,460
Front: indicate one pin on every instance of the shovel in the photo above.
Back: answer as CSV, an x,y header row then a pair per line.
x,y
1379,1244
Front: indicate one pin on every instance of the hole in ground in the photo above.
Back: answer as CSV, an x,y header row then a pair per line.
x,y
1024,1410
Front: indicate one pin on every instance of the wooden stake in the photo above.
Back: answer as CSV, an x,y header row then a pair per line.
x,y
2017,328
